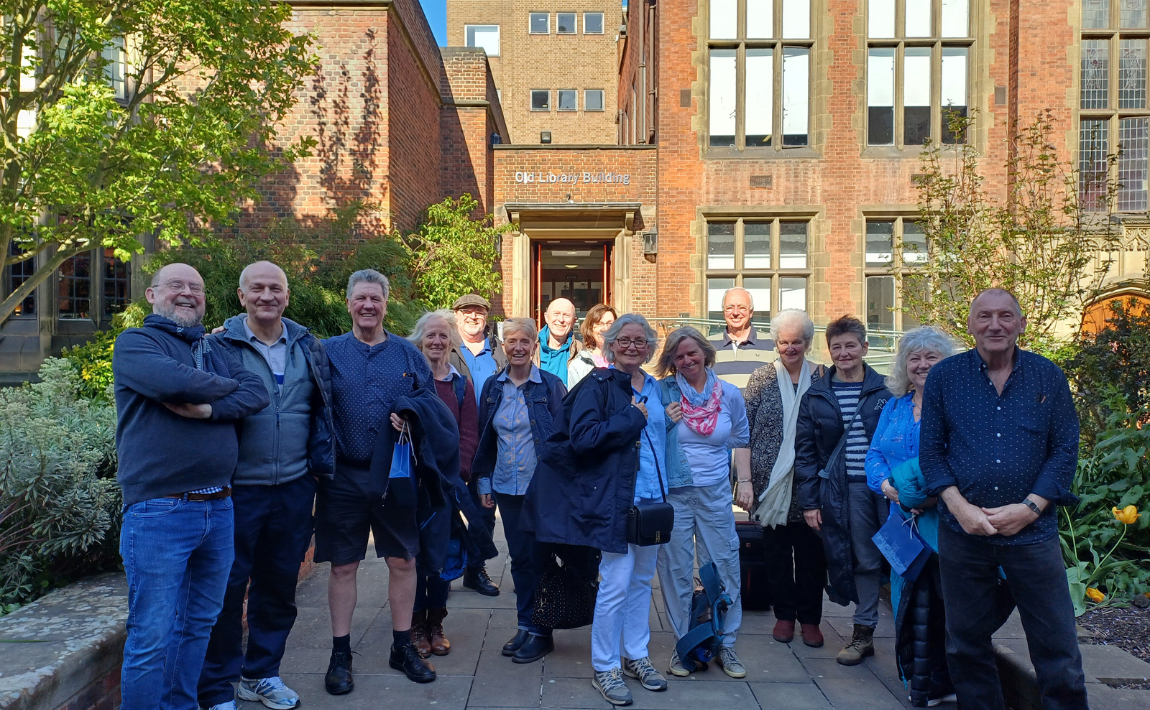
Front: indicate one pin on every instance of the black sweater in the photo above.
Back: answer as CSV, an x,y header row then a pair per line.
x,y
160,452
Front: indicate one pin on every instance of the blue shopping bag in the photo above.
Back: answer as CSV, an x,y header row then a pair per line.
x,y
401,481
902,546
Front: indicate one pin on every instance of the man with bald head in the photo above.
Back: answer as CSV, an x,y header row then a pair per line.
x,y
284,449
999,447
739,351
178,398
557,343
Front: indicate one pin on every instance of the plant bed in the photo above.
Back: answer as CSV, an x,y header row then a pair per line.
x,y
1128,629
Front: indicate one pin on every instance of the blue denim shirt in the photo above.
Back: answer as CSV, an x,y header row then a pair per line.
x,y
515,459
999,448
481,366
652,452
679,460
542,395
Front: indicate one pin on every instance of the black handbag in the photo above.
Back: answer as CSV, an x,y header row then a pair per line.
x,y
651,523
564,598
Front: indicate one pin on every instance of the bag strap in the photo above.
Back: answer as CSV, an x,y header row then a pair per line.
x,y
846,433
460,383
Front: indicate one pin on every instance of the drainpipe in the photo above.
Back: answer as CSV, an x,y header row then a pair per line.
x,y
641,109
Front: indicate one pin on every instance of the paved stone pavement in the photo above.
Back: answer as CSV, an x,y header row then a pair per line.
x,y
475,675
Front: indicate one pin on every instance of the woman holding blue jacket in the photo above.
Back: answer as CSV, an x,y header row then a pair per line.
x,y
517,412
706,420
892,470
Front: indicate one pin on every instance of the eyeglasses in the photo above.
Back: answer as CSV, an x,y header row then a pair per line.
x,y
628,343
179,286
737,309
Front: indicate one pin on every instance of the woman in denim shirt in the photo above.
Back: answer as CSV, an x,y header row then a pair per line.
x,y
517,409
892,470
706,420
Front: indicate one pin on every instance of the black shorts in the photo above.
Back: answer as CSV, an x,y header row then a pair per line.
x,y
346,510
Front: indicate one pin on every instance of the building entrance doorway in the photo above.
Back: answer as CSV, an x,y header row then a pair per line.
x,y
580,271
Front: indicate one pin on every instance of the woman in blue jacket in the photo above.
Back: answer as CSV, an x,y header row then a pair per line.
x,y
706,420
892,470
517,410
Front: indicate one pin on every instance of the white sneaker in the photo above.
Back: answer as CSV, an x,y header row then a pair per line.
x,y
229,705
270,691
935,702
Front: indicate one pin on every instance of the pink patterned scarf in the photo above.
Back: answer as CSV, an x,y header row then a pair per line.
x,y
704,418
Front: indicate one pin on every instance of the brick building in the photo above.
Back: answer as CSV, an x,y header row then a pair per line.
x,y
554,65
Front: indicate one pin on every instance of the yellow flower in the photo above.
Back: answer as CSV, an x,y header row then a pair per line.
x,y
1127,516
1095,595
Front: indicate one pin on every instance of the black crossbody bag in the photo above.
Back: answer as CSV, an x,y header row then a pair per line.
x,y
651,523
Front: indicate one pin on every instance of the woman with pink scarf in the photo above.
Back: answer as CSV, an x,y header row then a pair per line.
x,y
706,420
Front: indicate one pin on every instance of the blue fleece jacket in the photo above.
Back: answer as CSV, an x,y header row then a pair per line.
x,y
555,360
161,453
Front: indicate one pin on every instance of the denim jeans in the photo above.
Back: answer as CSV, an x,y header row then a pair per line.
x,y
1036,576
272,532
868,512
528,559
704,525
431,592
177,555
622,622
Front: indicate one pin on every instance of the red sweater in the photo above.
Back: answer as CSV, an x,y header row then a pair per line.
x,y
467,418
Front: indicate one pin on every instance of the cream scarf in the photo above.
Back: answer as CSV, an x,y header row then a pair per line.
x,y
775,502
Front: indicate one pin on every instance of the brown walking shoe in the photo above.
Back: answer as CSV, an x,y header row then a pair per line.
x,y
419,634
784,631
440,646
812,635
861,646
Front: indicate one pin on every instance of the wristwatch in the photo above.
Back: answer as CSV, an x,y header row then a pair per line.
x,y
1033,506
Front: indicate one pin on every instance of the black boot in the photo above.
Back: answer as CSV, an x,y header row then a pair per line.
x,y
478,580
536,647
338,680
408,660
516,642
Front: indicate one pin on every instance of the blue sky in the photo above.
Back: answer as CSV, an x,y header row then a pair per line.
x,y
436,11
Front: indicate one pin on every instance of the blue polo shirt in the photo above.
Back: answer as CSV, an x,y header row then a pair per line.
x,y
482,366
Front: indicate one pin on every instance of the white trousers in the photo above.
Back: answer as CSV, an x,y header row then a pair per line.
x,y
622,609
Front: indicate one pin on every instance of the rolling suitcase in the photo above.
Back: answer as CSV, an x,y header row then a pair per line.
x,y
753,566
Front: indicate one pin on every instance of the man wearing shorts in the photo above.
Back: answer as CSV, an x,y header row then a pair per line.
x,y
370,368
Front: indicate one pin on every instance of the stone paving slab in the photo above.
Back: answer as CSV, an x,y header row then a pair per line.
x,y
476,675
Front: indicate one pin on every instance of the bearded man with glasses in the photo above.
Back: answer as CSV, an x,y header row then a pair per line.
x,y
177,402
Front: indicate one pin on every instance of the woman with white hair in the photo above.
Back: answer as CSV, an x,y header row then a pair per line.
x,y
708,420
892,470
436,335
796,565
517,411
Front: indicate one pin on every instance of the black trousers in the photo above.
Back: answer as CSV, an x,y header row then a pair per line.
x,y
1036,577
796,572
272,531
487,515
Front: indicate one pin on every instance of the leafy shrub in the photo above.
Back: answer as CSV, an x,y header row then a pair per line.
x,y
1116,357
93,359
1101,551
59,502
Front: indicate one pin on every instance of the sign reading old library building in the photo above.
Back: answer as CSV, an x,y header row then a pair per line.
x,y
572,178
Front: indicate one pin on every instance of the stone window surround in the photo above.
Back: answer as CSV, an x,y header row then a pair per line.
x,y
902,321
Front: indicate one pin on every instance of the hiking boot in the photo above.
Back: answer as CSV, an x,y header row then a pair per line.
x,y
646,674
676,666
730,662
440,646
784,631
610,684
479,581
270,691
408,660
419,633
338,680
812,635
861,646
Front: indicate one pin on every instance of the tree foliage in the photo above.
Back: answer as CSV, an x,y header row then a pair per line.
x,y
1037,238
453,253
99,151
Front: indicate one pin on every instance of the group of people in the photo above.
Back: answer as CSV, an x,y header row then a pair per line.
x,y
236,446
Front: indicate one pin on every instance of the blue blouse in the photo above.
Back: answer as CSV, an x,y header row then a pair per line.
x,y
652,452
895,440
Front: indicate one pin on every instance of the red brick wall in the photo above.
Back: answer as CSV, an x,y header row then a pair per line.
x,y
638,163
101,694
413,129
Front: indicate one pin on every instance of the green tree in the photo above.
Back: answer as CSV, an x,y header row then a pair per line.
x,y
453,253
121,118
1037,238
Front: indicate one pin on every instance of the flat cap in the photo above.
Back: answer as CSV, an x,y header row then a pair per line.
x,y
471,299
